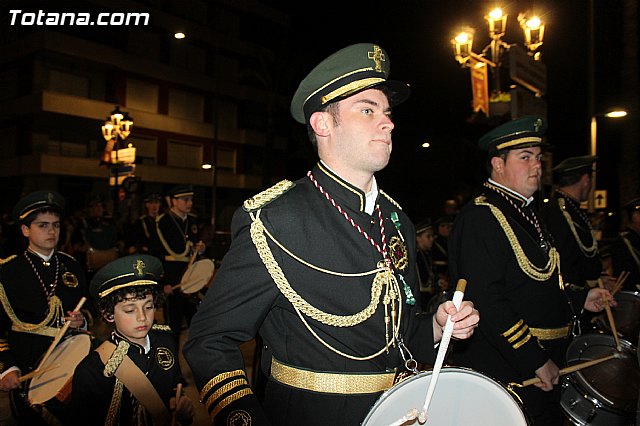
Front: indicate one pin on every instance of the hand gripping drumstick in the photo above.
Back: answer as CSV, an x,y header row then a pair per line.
x,y
570,369
60,335
612,323
414,413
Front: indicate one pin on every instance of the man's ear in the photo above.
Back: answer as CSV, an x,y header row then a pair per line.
x,y
25,230
321,123
497,164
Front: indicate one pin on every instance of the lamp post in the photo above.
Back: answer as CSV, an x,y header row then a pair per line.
x,y
491,55
116,129
212,167
593,149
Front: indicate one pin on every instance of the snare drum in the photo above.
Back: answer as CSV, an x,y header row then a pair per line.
x,y
626,316
606,393
461,397
56,382
197,276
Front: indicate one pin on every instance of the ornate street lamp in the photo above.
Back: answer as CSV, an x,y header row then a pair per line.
x,y
115,130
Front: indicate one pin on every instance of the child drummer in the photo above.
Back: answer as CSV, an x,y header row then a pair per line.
x,y
132,377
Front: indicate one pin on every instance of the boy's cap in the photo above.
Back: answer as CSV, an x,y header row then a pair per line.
x,y
423,226
152,196
38,200
348,71
128,271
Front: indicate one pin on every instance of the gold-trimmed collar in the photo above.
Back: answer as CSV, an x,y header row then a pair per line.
x,y
519,198
358,200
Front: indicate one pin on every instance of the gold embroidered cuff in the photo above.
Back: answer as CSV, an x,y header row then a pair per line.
x,y
517,335
219,378
228,400
337,383
551,333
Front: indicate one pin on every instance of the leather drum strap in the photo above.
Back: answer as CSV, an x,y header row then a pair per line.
x,y
138,384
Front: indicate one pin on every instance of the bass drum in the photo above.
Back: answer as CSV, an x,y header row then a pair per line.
x,y
461,397
605,394
626,316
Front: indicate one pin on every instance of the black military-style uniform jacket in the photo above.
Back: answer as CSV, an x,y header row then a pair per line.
x,y
573,237
511,303
144,237
25,296
176,237
244,300
93,392
625,255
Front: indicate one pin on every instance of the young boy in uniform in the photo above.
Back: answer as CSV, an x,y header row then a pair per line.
x,y
132,377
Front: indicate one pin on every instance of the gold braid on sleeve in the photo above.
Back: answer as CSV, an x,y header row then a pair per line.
x,y
114,406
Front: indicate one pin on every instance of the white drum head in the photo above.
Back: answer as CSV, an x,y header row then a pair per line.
x,y
461,397
197,276
66,356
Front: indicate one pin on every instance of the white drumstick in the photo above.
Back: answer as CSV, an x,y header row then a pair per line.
x,y
442,350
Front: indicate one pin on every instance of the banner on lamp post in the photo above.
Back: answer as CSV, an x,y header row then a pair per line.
x,y
479,86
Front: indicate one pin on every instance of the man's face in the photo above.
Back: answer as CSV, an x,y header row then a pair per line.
x,y
96,209
360,142
585,187
183,205
153,207
43,233
520,171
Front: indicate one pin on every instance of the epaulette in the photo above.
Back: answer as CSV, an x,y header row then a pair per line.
x,y
66,254
391,200
8,259
116,359
161,327
268,195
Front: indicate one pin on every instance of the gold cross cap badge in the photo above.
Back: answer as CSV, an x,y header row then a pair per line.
x,y
378,57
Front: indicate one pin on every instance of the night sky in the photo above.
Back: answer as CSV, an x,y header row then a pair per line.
x,y
416,35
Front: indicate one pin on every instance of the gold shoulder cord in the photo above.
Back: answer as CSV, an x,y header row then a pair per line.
x,y
531,270
114,407
165,244
383,276
587,251
55,313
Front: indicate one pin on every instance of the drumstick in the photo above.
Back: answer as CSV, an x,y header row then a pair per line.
x,y
620,281
612,322
37,372
573,368
60,334
178,394
442,350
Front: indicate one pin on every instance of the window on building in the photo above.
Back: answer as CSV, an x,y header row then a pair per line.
x,y
186,105
146,148
70,84
142,95
184,154
226,159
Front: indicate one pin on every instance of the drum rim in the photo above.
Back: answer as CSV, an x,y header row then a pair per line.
x,y
198,262
79,335
581,383
509,392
